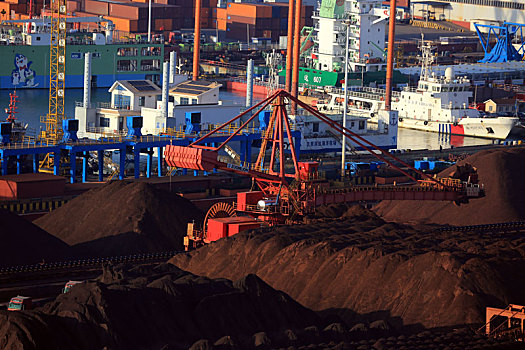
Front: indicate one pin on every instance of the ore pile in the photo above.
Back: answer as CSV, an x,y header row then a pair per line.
x,y
364,268
24,243
501,172
155,308
122,218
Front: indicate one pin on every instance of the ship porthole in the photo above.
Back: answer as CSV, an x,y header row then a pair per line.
x,y
426,123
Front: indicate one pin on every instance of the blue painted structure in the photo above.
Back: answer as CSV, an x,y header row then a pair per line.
x,y
431,164
193,123
70,128
355,167
134,124
503,50
134,145
5,132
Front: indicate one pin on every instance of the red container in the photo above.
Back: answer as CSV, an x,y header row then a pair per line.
x,y
248,198
217,229
235,228
31,186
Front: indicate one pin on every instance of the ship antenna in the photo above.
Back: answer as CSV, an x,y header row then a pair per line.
x,y
12,110
427,58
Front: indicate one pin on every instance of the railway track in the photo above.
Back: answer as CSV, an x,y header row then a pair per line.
x,y
96,263
83,264
504,227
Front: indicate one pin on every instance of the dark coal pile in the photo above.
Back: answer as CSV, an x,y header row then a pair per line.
x,y
364,269
122,218
24,243
501,171
155,308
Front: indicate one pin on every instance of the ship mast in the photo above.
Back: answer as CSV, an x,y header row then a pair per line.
x,y
427,58
12,110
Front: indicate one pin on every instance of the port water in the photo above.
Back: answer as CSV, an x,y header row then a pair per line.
x,y
34,103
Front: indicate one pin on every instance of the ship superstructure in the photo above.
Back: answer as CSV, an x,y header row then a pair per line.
x,y
25,55
366,21
438,104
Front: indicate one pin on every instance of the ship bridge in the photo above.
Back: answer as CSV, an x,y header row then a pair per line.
x,y
360,99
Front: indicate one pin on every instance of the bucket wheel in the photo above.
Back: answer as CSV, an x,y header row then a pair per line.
x,y
218,210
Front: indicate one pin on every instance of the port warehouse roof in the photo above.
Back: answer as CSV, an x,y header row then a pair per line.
x,y
476,70
138,87
194,88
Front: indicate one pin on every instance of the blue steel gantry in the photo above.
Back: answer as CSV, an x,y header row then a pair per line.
x,y
502,50
133,143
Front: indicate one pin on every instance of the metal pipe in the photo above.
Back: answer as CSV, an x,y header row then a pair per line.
x,y
266,102
165,85
360,141
197,39
149,21
87,79
390,55
296,44
249,83
173,64
289,47
345,107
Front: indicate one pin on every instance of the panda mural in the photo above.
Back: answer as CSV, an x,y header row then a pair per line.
x,y
23,75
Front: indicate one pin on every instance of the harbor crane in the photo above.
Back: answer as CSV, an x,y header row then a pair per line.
x,y
284,193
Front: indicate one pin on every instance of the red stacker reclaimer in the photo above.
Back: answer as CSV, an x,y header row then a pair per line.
x,y
285,190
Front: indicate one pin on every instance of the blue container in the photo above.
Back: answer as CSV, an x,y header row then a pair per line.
x,y
264,119
134,124
70,128
5,132
193,122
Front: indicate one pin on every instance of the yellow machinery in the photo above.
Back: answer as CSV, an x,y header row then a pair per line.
x,y
57,74
57,79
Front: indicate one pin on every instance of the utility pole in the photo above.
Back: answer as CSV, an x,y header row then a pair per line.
x,y
345,102
149,21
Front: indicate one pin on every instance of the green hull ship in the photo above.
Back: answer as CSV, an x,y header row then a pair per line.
x,y
26,60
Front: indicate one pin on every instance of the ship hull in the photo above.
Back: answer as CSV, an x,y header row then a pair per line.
x,y
27,66
492,128
330,144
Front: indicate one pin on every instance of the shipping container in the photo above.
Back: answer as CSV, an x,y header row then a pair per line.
x,y
249,10
96,7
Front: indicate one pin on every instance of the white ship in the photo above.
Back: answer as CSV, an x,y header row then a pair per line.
x,y
318,137
438,104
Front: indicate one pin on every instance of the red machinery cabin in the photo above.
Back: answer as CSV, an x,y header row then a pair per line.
x,y
226,227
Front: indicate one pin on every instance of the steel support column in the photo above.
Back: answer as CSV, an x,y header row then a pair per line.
x,y
136,162
149,162
159,161
100,155
84,166
56,163
18,164
122,163
72,166
35,163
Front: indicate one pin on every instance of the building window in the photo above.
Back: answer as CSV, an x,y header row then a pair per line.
x,y
142,101
104,122
126,65
184,101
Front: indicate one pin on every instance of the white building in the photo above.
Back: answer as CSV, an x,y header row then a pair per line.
x,y
142,97
366,40
134,94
